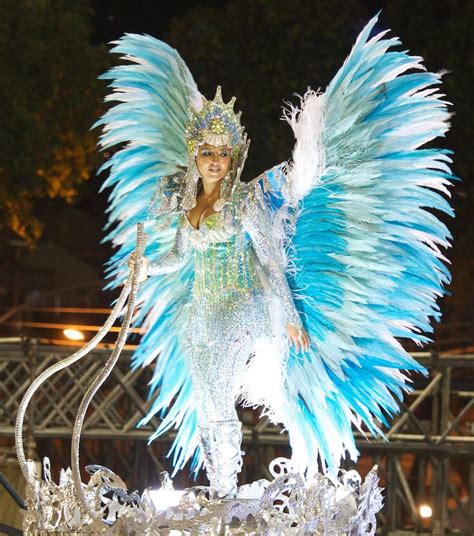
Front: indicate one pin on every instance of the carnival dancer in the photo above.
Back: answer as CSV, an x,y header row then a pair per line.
x,y
288,292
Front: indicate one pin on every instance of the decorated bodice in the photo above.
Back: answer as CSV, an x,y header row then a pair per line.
x,y
224,261
233,252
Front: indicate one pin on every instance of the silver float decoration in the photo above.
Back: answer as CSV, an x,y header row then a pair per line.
x,y
290,504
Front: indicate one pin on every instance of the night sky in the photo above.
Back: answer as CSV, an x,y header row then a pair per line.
x,y
113,18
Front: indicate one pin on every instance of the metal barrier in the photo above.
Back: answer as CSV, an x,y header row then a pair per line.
x,y
429,458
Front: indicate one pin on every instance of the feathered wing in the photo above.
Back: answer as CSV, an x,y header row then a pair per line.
x,y
366,245
152,95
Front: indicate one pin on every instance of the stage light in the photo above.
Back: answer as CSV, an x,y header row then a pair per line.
x,y
163,498
425,511
73,334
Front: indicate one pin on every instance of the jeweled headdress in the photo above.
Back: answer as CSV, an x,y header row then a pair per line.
x,y
216,123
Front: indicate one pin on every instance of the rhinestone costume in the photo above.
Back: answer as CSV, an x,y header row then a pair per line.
x,y
350,227
363,256
236,268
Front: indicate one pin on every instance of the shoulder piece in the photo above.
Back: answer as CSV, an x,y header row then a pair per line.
x,y
168,195
272,180
270,186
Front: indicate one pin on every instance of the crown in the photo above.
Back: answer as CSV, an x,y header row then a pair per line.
x,y
216,123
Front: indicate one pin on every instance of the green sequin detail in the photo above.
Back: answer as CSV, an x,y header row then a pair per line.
x,y
225,267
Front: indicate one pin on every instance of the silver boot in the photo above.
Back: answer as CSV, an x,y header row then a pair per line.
x,y
206,452
222,456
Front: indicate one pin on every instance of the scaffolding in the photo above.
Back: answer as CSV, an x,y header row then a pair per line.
x,y
429,458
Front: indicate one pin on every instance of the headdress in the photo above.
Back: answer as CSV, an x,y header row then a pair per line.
x,y
215,123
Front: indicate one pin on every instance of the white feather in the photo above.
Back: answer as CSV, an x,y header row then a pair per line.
x,y
308,162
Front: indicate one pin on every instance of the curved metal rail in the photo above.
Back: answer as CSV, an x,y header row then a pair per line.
x,y
129,290
103,374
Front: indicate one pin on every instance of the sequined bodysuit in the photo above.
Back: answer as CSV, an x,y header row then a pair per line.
x,y
236,268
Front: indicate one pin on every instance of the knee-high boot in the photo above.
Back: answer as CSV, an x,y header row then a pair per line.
x,y
206,452
221,443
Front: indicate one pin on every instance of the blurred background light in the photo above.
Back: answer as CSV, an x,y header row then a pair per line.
x,y
73,334
425,511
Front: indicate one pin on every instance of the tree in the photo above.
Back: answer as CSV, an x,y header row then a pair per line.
x,y
50,97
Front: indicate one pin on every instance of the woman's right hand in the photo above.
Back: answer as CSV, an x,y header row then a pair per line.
x,y
298,338
143,266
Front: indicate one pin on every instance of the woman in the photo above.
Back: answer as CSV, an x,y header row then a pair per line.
x,y
231,242
340,240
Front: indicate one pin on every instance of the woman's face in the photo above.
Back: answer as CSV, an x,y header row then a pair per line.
x,y
213,162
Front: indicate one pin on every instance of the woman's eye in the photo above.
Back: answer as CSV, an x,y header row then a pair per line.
x,y
206,153
224,154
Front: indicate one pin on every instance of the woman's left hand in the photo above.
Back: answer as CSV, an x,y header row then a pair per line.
x,y
298,338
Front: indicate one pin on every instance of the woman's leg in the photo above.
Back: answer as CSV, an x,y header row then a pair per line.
x,y
221,337
216,374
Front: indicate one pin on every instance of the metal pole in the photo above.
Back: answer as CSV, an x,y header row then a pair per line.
x,y
32,353
391,493
421,493
417,402
471,492
442,462
406,488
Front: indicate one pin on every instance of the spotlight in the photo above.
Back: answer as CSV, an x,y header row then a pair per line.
x,y
73,334
425,511
163,498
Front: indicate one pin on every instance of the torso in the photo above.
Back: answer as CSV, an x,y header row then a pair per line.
x,y
203,209
224,263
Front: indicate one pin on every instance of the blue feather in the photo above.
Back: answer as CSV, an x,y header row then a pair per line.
x,y
151,98
366,248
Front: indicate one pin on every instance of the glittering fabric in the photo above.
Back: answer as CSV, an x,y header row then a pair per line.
x,y
236,268
359,206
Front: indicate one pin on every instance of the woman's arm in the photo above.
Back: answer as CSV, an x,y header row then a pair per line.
x,y
257,223
174,260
